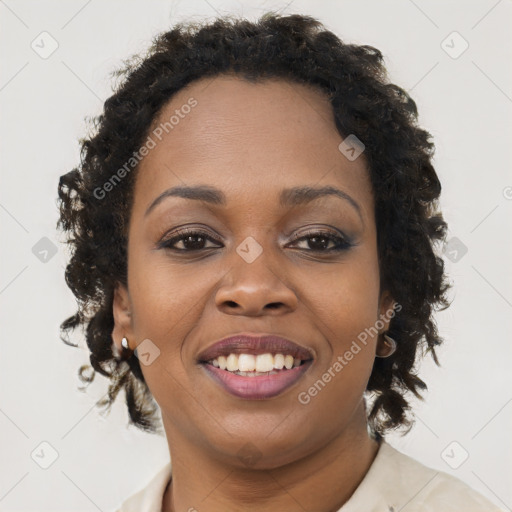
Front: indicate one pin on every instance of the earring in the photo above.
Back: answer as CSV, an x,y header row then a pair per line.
x,y
126,351
390,345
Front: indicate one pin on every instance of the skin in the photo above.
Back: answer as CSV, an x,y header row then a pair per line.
x,y
251,141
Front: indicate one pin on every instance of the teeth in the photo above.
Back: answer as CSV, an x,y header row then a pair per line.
x,y
264,363
279,361
250,365
254,374
246,363
232,363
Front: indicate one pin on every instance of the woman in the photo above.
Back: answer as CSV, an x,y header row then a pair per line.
x,y
253,230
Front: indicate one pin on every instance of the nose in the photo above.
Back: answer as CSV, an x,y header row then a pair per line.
x,y
255,289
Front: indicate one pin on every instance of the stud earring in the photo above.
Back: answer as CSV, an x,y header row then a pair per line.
x,y
390,347
126,350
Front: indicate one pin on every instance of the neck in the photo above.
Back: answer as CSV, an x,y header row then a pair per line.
x,y
321,481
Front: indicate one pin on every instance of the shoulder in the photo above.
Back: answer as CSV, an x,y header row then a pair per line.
x,y
149,498
396,481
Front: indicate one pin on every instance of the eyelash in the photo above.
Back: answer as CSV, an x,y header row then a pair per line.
x,y
341,243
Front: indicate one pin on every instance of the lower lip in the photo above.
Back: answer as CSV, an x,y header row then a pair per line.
x,y
257,388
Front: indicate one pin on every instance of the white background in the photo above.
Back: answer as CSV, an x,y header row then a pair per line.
x,y
465,102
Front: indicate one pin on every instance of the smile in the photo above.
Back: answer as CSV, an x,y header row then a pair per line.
x,y
256,385
255,367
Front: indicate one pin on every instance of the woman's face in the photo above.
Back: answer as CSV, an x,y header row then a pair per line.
x,y
252,268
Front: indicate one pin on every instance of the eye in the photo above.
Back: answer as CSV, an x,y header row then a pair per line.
x,y
196,240
191,240
323,241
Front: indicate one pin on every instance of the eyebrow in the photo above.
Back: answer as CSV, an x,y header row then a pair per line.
x,y
290,197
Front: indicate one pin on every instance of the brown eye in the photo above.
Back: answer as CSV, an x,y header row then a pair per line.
x,y
323,241
191,240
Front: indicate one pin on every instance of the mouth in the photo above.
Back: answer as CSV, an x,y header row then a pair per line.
x,y
256,368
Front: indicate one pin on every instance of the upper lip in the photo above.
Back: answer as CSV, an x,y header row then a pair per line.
x,y
251,344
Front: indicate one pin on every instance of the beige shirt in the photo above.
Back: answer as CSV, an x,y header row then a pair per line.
x,y
394,482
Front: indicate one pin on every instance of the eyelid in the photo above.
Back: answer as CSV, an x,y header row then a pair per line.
x,y
190,228
318,230
343,241
179,233
321,229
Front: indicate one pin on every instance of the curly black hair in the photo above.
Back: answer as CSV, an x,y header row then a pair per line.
x,y
382,115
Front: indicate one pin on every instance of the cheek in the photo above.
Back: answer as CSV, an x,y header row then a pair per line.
x,y
345,299
166,301
345,307
161,298
166,293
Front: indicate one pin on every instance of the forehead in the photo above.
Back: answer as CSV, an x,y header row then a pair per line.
x,y
248,138
231,110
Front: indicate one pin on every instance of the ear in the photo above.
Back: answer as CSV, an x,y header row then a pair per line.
x,y
387,310
121,309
